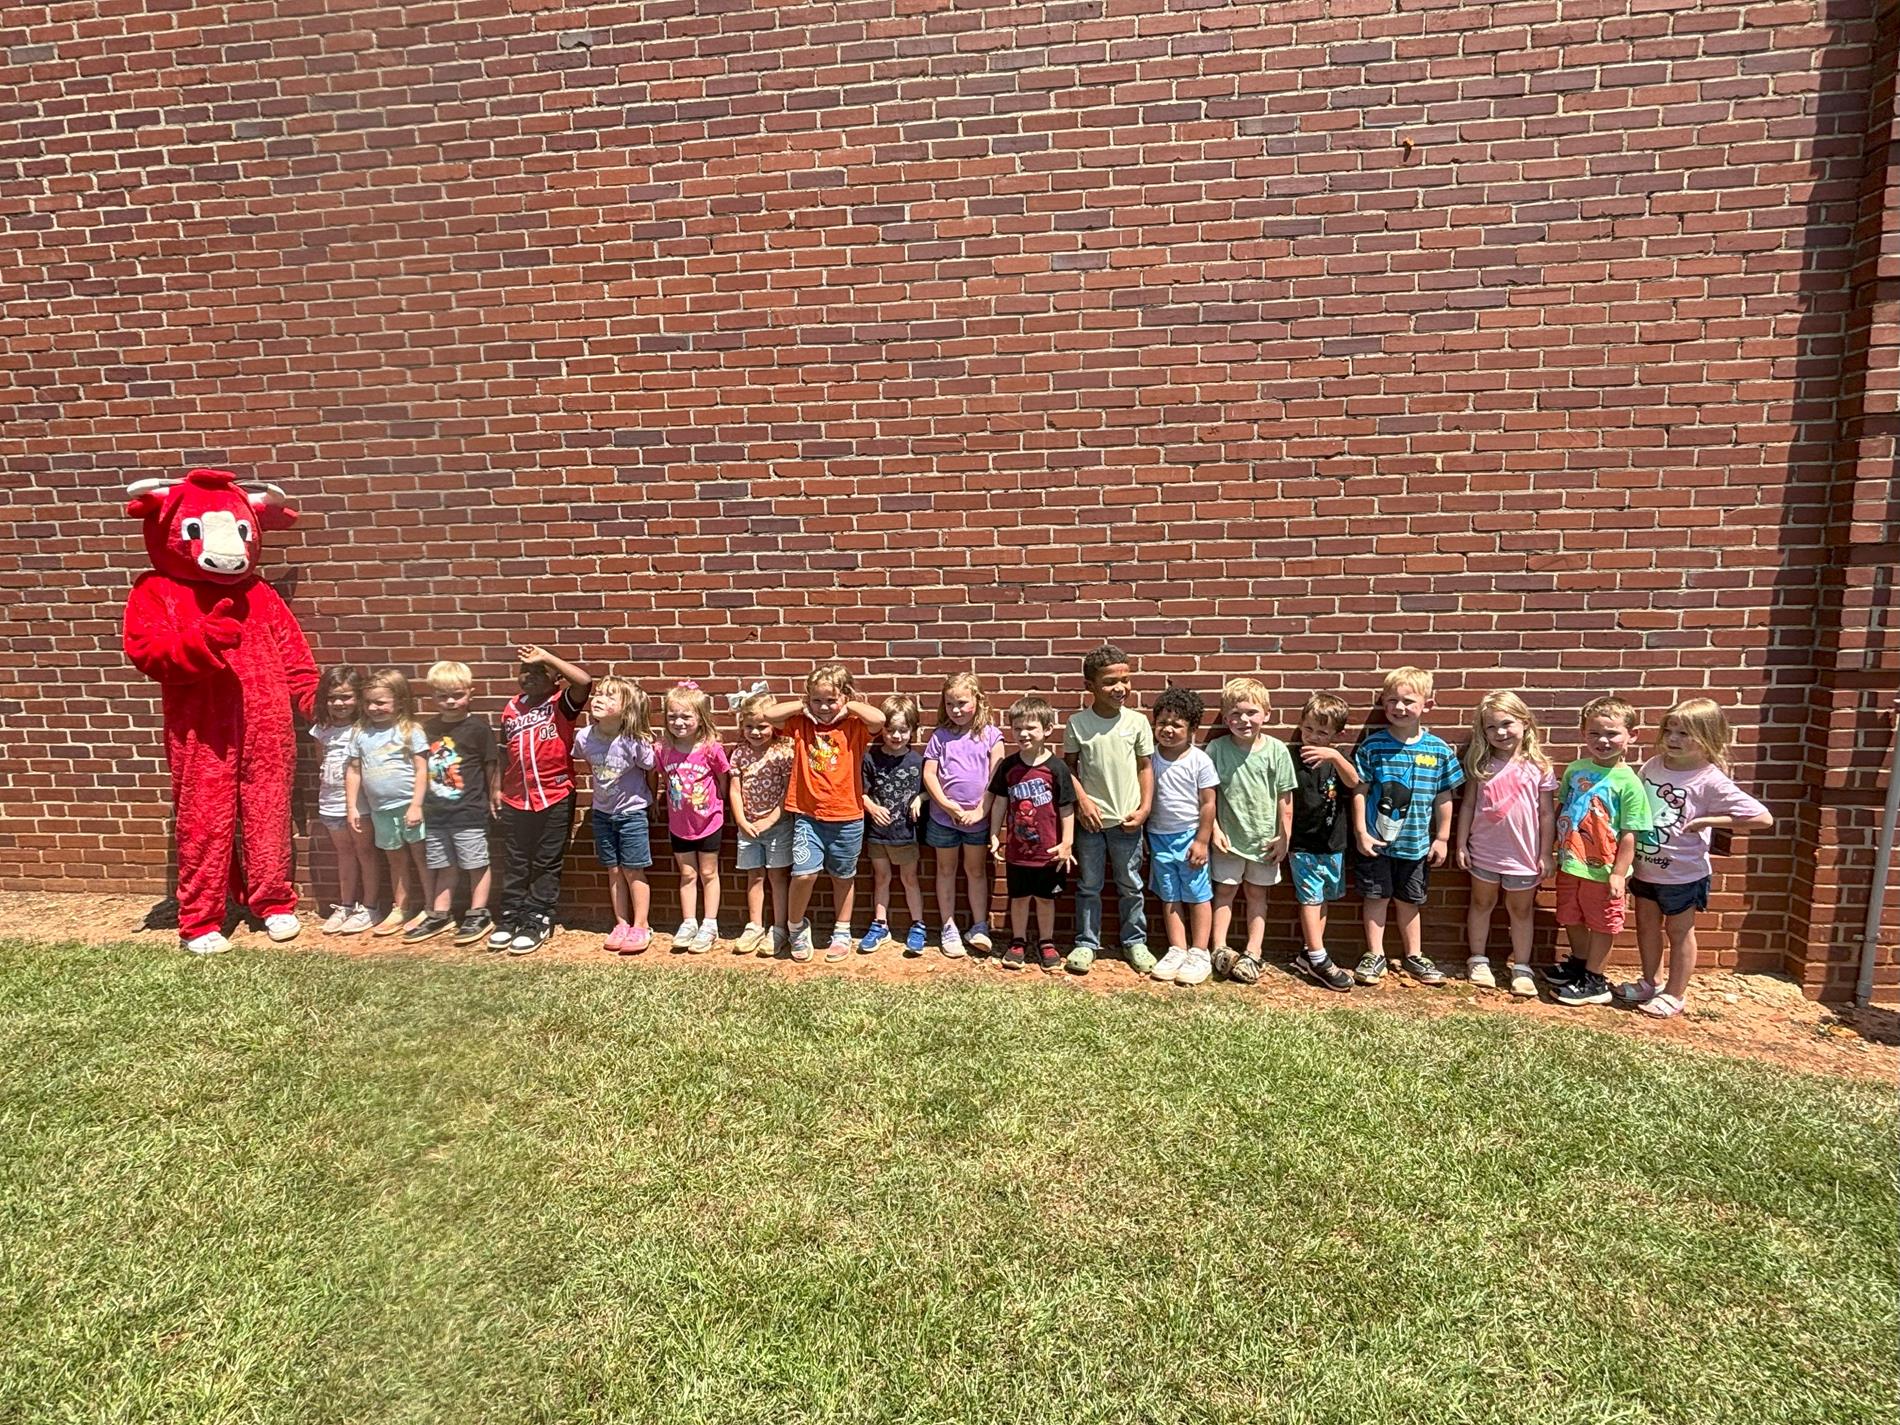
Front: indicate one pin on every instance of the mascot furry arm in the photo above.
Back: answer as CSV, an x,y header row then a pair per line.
x,y
232,665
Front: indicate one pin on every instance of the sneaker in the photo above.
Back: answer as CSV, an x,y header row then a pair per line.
x,y
616,940
503,935
1478,971
428,928
1590,989
392,923
638,938
1081,959
1170,964
1197,969
801,941
212,942
780,945
950,942
1523,985
1224,958
840,946
1244,971
1013,958
703,938
915,941
1637,991
535,931
475,926
874,937
1564,972
1322,972
1048,956
751,940
361,919
339,914
1372,968
1139,957
683,937
979,938
1422,969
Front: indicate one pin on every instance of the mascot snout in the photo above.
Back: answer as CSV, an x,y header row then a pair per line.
x,y
223,543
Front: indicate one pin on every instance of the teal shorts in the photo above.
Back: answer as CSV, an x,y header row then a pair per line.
x,y
391,834
1317,877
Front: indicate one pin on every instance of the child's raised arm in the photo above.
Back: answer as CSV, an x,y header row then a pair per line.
x,y
780,713
871,717
579,680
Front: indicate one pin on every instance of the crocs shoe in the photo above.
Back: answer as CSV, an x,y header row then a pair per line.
x,y
616,940
1244,971
1081,959
638,938
1139,957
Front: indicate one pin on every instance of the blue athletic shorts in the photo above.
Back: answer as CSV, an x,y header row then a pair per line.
x,y
1169,875
1317,877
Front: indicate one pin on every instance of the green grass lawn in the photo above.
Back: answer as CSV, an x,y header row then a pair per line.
x,y
303,1188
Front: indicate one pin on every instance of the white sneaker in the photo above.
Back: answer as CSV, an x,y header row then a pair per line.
x,y
361,919
750,939
1198,969
703,937
683,937
1170,964
950,942
1523,984
801,940
1478,971
282,927
212,942
339,916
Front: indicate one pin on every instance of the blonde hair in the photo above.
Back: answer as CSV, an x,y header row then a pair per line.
x,y
693,698
448,676
754,706
1478,754
1327,708
835,676
1236,691
901,705
1419,680
635,718
1611,706
964,683
1702,719
398,686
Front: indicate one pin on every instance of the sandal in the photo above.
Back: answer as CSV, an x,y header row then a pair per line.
x,y
1663,1006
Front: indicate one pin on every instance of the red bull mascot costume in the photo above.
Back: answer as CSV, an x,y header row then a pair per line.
x,y
234,666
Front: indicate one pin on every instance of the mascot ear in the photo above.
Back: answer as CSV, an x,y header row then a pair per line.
x,y
268,503
146,497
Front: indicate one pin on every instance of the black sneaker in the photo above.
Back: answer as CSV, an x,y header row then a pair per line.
x,y
1422,970
430,926
535,931
1013,955
1048,956
503,933
475,926
1565,972
1587,989
1322,972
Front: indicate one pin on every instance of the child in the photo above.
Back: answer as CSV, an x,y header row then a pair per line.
x,y
1253,819
387,774
829,731
1689,792
959,761
463,791
893,800
1109,746
537,796
617,746
694,764
1603,806
1401,821
1179,834
339,705
1032,828
1504,831
761,768
1323,779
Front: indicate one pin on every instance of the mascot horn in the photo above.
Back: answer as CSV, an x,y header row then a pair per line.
x,y
233,665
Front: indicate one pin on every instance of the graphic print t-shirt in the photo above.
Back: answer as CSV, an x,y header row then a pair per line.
x,y
894,783
1665,854
1036,796
459,754
695,788
827,768
1597,805
618,768
1403,780
538,740
1318,827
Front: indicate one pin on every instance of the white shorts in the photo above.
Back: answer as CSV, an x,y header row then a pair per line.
x,y
1231,870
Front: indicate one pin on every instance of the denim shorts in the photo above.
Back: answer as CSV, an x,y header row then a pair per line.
x,y
334,821
1169,875
770,852
1673,900
446,844
945,838
825,846
392,829
1318,876
625,840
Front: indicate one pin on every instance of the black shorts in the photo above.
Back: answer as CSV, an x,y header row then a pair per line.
x,y
691,845
1387,878
1036,883
1673,900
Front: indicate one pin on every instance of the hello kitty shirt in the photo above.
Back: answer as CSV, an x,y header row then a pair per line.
x,y
1668,856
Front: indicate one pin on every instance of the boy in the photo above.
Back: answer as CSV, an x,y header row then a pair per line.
x,y
1180,834
1401,822
1108,747
537,796
1602,807
893,800
463,791
1032,828
1323,778
1253,819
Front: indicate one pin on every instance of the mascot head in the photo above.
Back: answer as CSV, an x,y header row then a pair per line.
x,y
206,528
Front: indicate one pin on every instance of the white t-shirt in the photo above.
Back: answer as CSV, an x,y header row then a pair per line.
x,y
1178,786
334,739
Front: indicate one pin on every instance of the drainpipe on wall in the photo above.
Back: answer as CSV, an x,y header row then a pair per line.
x,y
1883,859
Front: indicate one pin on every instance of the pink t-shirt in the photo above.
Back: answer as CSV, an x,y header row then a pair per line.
x,y
963,766
1504,832
1667,856
695,788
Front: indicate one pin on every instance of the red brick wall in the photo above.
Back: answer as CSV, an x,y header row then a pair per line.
x,y
1550,345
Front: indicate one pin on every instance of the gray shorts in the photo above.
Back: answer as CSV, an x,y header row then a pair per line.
x,y
467,844
772,851
1506,879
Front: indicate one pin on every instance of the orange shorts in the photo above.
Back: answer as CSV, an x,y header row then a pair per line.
x,y
1584,902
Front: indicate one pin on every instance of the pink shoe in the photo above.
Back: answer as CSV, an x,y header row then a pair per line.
x,y
638,937
617,939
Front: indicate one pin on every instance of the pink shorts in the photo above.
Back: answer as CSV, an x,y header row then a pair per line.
x,y
1587,903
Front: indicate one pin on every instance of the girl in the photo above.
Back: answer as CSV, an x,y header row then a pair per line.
x,y
617,746
339,702
761,769
1689,792
387,774
959,760
1505,825
694,764
829,730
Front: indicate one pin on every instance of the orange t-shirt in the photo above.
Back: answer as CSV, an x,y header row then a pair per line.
x,y
827,768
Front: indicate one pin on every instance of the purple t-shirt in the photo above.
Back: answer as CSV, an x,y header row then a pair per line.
x,y
963,766
1666,855
620,766
695,788
1504,838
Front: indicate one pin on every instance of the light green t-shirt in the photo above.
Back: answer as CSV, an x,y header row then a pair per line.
x,y
1105,751
1597,805
1252,781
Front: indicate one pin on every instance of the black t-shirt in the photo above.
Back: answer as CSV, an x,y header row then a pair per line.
x,y
893,782
1037,797
459,754
1321,816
